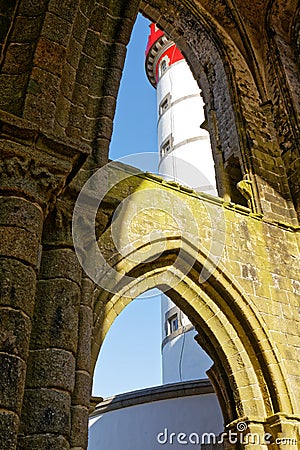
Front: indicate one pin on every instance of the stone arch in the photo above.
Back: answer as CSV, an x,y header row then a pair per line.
x,y
234,332
90,67
21,25
62,63
220,82
230,71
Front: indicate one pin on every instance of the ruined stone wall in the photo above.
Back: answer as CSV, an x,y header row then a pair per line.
x,y
255,259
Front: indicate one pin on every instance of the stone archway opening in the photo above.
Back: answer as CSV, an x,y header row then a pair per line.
x,y
133,117
220,104
130,356
213,341
187,406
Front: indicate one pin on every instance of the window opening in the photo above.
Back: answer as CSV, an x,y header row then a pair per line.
x,y
165,104
166,146
173,324
163,66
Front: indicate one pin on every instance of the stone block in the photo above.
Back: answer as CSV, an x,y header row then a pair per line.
x,y
62,111
12,382
98,18
86,70
43,84
46,411
87,292
40,110
104,106
84,343
32,8
14,332
79,430
26,29
91,44
4,27
105,128
17,285
20,244
50,56
16,211
124,30
80,27
112,80
18,58
67,81
87,7
56,315
83,387
43,442
74,52
77,116
57,29
8,430
13,88
81,97
111,55
66,10
51,368
61,263
129,11
74,132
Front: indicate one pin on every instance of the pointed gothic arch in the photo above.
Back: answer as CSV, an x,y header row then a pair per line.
x,y
236,337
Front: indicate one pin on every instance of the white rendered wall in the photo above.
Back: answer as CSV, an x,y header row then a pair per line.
x,y
177,166
137,427
182,357
191,162
182,361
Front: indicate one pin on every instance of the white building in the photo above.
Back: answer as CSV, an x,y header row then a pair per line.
x,y
184,146
168,417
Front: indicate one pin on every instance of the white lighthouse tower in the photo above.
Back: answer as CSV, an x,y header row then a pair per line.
x,y
185,157
184,146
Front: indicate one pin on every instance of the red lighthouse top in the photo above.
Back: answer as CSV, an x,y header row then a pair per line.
x,y
160,50
155,34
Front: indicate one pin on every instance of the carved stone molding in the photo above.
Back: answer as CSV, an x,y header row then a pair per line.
x,y
35,165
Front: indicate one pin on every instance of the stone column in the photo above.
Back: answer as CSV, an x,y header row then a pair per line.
x,y
20,228
46,413
83,379
58,385
33,171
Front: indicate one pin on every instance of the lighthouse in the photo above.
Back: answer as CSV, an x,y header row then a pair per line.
x,y
185,157
184,146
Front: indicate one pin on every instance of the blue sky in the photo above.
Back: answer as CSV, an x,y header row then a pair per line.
x,y
135,120
130,357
